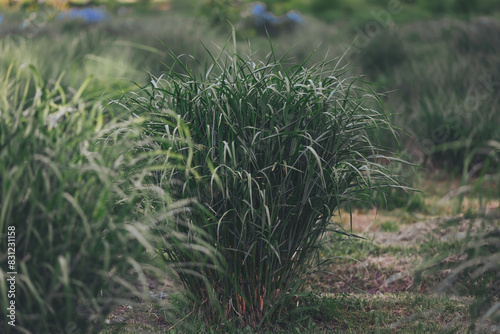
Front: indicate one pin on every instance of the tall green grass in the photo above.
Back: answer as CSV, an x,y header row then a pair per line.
x,y
280,150
124,49
442,88
77,185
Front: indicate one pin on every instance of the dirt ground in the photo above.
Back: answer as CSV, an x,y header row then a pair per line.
x,y
392,270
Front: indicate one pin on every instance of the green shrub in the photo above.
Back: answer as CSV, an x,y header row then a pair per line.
x,y
280,150
74,188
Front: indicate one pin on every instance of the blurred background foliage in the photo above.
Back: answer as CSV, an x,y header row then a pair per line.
x,y
328,10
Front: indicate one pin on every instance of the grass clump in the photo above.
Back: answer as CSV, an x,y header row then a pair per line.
x,y
75,189
280,151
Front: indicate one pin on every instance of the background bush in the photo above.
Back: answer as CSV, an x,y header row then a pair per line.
x,y
439,98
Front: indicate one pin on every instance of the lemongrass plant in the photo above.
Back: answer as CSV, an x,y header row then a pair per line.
x,y
280,149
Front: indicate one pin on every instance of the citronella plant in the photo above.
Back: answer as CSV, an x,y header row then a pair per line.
x,y
280,150
75,189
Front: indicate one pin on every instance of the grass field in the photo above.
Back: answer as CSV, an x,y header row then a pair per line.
x,y
131,168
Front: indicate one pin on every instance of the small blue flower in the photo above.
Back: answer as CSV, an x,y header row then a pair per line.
x,y
264,19
1,18
270,18
294,16
258,9
87,15
262,16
